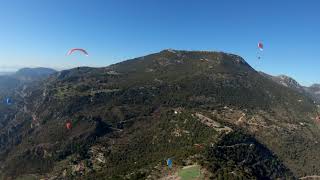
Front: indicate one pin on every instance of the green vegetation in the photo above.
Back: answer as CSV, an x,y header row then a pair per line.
x,y
240,156
190,173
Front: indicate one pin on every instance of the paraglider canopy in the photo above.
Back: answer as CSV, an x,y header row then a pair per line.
x,y
169,163
8,101
68,125
71,51
260,46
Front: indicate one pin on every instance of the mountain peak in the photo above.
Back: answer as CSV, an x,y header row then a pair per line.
x,y
288,81
38,70
284,80
204,55
32,73
315,86
315,89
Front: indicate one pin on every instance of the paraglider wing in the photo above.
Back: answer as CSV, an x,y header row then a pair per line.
x,y
8,101
260,46
169,163
68,125
71,51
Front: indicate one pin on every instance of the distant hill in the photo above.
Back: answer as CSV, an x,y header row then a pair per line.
x,y
12,80
285,81
313,91
29,74
195,107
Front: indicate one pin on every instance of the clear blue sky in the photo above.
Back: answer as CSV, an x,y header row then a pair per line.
x,y
40,32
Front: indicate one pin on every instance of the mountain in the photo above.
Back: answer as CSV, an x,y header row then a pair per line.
x,y
13,86
10,81
29,74
210,110
313,91
286,81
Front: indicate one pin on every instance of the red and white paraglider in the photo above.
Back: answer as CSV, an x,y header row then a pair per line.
x,y
260,47
68,125
83,51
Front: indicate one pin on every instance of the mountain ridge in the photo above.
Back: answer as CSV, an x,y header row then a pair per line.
x,y
312,91
129,117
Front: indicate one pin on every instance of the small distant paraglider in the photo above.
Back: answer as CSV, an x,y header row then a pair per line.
x,y
260,47
169,163
8,101
83,51
68,125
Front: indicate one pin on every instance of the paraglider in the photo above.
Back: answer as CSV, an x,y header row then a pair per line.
x,y
169,163
83,51
68,125
8,101
260,47
71,51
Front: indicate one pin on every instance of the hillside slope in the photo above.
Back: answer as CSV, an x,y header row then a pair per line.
x,y
312,91
130,117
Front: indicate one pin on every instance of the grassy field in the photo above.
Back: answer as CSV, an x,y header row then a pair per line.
x,y
190,173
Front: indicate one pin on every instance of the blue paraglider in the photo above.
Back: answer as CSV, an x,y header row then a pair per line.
x,y
169,163
8,101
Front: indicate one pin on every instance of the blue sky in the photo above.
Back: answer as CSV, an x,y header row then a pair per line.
x,y
40,32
